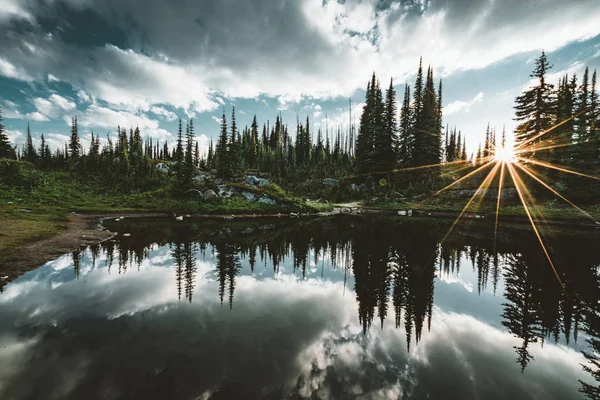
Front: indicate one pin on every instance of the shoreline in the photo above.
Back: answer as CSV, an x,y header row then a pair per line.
x,y
84,229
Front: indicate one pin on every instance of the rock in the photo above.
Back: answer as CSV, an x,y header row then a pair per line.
x,y
401,212
188,216
199,179
213,171
252,180
263,182
267,200
24,210
5,277
409,213
117,219
127,234
249,196
331,182
162,167
180,218
209,195
294,215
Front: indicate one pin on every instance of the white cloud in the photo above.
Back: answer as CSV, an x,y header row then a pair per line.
x,y
10,71
216,119
101,117
13,9
169,115
36,116
462,106
52,78
324,49
16,137
54,107
83,96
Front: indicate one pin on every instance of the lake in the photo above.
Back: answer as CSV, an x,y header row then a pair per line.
x,y
340,307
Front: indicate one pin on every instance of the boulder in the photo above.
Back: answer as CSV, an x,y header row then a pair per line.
x,y
162,167
331,182
252,180
200,179
209,195
267,200
213,171
249,196
263,182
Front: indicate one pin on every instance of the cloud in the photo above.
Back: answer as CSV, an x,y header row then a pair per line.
x,y
83,96
462,106
323,50
169,115
12,112
102,117
54,107
52,78
10,71
324,353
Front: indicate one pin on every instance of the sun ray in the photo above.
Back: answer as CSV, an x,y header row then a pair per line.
x,y
454,171
498,203
547,165
464,177
551,128
519,186
483,186
536,177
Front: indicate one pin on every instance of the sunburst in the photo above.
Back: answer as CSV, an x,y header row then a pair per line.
x,y
508,161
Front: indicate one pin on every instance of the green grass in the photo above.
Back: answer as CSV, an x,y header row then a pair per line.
x,y
550,211
51,196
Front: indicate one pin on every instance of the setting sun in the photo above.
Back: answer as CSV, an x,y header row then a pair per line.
x,y
505,154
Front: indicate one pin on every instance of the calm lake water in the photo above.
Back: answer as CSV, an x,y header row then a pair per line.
x,y
341,307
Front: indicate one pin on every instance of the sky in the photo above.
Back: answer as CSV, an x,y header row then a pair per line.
x,y
146,63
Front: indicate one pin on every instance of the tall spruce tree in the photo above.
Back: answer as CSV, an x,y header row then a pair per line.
x,y
74,143
30,152
534,108
383,156
223,159
179,146
6,150
405,138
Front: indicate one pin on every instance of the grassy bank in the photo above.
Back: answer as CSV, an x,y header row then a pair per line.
x,y
39,208
550,211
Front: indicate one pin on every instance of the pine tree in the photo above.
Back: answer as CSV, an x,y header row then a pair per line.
x,y
372,112
383,156
43,152
253,142
405,139
179,147
30,153
6,150
533,108
417,130
223,159
74,143
235,156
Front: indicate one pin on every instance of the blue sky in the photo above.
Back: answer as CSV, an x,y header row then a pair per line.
x,y
146,62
